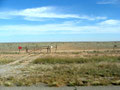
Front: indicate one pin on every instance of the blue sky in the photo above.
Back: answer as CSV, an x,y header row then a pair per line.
x,y
59,20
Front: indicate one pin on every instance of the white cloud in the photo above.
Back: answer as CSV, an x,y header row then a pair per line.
x,y
108,2
63,28
43,12
110,22
4,15
38,14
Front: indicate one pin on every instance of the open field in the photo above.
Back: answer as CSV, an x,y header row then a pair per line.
x,y
62,46
71,64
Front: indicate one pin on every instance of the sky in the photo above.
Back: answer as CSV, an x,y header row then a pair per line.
x,y
59,20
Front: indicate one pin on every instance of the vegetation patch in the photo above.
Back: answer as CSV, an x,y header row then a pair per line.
x,y
67,60
6,61
85,74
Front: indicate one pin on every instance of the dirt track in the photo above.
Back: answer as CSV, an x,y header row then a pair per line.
x,y
8,69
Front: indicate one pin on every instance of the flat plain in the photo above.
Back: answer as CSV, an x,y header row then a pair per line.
x,y
68,64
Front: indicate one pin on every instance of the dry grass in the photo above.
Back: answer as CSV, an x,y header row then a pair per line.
x,y
74,64
70,75
55,71
5,61
67,60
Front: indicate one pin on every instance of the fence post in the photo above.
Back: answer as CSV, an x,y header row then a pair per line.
x,y
47,49
26,48
56,48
